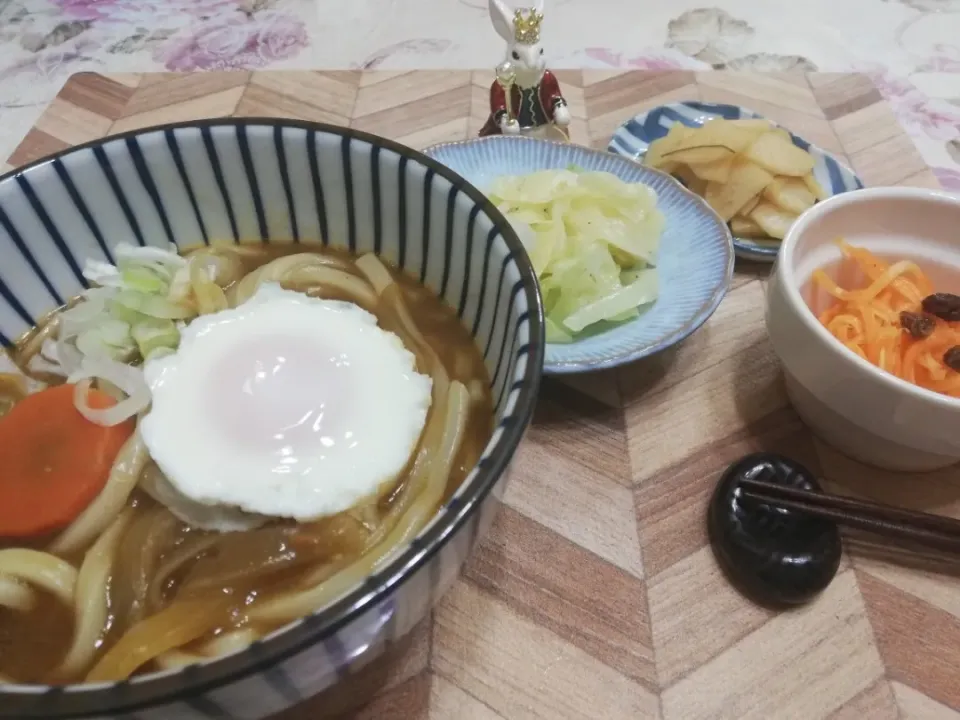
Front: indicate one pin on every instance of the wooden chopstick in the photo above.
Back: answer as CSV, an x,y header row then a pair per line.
x,y
931,530
887,512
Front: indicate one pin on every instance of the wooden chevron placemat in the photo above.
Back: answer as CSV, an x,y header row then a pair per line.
x,y
596,595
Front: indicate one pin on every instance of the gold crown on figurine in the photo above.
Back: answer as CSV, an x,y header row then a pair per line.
x,y
526,26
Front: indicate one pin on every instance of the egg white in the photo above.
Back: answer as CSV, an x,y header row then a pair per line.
x,y
286,406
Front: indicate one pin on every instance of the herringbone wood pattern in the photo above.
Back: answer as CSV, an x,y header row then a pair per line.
x,y
595,596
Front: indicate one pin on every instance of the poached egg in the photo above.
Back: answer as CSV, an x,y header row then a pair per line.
x,y
286,406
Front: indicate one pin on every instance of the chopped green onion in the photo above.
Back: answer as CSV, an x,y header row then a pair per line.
x,y
111,338
152,334
144,279
152,305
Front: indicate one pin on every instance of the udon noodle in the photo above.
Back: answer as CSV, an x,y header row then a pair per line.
x,y
126,587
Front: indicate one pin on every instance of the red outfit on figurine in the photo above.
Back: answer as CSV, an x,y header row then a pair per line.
x,y
525,99
532,107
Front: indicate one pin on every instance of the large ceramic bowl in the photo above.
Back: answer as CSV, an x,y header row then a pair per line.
x,y
863,411
694,263
279,181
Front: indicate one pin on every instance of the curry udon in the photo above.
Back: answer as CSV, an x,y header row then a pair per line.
x,y
111,562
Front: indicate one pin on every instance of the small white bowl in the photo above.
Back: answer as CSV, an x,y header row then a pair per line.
x,y
863,411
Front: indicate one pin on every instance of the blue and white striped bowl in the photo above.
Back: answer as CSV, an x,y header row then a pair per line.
x,y
634,137
261,181
695,260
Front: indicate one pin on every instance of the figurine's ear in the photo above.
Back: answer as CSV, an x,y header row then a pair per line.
x,y
502,19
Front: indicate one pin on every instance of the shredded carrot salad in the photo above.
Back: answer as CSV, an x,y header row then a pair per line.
x,y
897,322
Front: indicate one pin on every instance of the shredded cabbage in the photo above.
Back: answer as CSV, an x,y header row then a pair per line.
x,y
593,241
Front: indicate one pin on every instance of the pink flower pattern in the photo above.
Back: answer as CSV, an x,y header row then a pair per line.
x,y
52,39
419,47
234,42
914,110
945,58
188,35
653,61
949,178
143,12
941,63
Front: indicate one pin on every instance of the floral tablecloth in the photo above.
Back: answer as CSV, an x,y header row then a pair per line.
x,y
911,48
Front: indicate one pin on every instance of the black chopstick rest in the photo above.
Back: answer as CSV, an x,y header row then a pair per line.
x,y
773,556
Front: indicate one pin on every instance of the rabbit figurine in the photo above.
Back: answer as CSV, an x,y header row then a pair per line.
x,y
525,98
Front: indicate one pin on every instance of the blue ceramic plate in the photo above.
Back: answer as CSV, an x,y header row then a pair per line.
x,y
634,136
696,252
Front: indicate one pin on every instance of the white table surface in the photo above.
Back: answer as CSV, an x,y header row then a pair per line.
x,y
910,47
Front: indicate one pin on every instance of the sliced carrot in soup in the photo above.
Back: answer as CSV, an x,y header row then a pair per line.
x,y
53,461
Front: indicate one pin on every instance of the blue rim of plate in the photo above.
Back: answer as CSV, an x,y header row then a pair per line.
x,y
634,136
703,312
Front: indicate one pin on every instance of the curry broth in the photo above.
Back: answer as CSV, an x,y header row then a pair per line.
x,y
274,557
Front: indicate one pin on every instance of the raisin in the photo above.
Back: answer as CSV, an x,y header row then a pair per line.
x,y
945,306
951,358
919,325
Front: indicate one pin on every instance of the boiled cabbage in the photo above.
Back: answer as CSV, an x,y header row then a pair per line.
x,y
593,241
